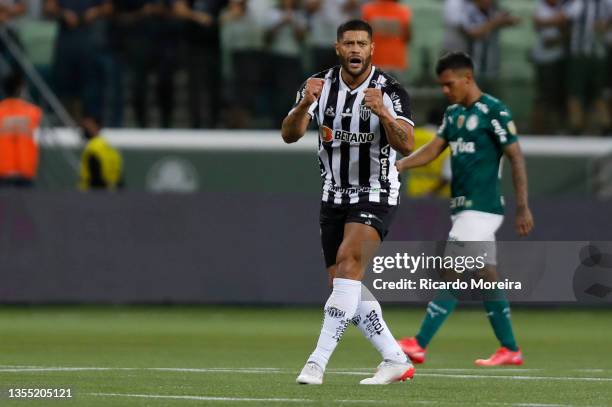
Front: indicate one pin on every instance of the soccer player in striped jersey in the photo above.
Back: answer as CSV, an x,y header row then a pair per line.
x,y
479,130
364,117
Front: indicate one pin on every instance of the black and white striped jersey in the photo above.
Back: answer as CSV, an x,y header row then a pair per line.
x,y
356,160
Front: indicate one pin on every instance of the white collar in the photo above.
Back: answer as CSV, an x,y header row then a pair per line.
x,y
364,84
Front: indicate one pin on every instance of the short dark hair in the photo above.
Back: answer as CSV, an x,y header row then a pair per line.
x,y
354,25
13,83
454,61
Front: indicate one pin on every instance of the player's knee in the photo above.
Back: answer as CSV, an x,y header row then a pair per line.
x,y
348,265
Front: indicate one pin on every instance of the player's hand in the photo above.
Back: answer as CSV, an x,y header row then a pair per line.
x,y
399,165
524,221
312,91
374,100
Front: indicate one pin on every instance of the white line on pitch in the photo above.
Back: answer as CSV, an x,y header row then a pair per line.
x,y
201,398
290,400
245,399
291,371
471,376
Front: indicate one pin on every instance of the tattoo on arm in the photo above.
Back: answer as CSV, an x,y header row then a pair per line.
x,y
398,136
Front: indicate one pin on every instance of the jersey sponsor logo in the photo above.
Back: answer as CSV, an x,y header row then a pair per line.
x,y
326,134
471,123
384,162
330,111
397,103
460,146
482,107
351,137
460,121
355,190
499,130
460,202
364,112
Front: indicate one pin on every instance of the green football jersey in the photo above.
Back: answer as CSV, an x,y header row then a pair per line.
x,y
477,135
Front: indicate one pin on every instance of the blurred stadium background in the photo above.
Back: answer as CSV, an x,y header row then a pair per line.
x,y
199,260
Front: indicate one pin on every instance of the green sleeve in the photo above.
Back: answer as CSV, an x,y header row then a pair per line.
x,y
503,126
443,129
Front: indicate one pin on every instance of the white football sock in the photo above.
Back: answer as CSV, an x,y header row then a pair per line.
x,y
370,322
339,310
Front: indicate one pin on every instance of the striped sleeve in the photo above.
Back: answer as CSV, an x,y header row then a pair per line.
x,y
397,101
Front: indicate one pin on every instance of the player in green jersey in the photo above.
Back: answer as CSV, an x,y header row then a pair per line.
x,y
479,130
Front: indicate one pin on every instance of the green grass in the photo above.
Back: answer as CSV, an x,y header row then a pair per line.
x,y
569,345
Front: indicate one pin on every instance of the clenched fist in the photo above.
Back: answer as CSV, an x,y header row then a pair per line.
x,y
374,100
312,90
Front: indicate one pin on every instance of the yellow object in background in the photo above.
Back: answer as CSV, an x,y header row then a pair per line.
x,y
110,164
434,178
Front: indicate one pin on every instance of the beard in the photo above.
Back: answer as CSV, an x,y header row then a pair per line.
x,y
346,66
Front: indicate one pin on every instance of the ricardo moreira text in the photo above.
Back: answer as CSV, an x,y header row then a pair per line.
x,y
411,264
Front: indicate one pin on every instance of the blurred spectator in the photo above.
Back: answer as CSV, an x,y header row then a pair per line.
x,y
243,39
587,73
454,38
9,10
482,22
284,35
607,27
101,164
203,58
548,57
112,67
147,48
391,26
324,17
433,179
77,71
19,121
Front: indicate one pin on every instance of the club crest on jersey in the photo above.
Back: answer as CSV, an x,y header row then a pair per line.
x,y
326,134
330,111
472,122
364,112
460,121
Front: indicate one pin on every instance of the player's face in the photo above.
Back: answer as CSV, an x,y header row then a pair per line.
x,y
455,84
355,50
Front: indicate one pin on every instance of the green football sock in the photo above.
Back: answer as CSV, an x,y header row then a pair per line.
x,y
437,311
498,311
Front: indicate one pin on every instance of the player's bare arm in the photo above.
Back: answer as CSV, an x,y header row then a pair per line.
x,y
423,155
524,219
295,124
399,133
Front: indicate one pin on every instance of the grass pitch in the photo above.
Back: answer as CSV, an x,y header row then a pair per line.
x,y
156,356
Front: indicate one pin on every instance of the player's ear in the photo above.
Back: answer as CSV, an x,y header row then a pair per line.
x,y
469,74
337,48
